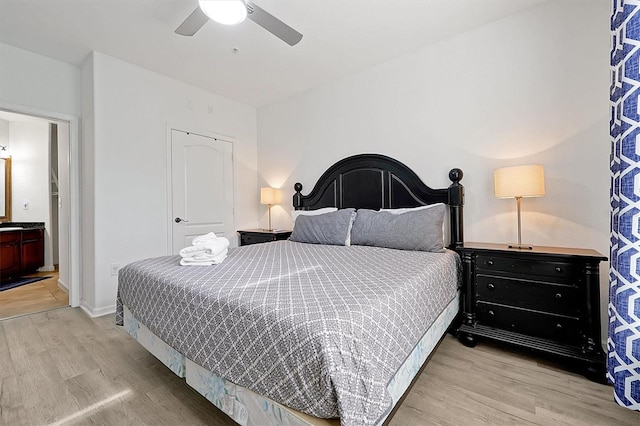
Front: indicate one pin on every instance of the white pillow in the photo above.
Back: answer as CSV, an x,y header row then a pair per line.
x,y
410,209
296,213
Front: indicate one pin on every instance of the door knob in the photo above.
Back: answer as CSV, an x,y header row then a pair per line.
x,y
179,219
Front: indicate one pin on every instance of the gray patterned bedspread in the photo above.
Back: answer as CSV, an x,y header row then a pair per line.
x,y
321,329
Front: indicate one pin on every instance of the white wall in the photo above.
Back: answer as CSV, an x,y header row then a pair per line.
x,y
38,85
530,88
30,178
37,81
4,133
124,163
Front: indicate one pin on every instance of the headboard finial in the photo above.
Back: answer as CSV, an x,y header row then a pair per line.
x,y
297,197
455,175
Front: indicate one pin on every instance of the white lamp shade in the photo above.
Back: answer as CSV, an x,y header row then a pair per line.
x,y
269,195
519,181
227,12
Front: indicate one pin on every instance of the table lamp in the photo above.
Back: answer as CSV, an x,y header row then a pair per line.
x,y
269,196
519,182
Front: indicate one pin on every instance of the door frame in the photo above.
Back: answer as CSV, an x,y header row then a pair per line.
x,y
200,132
75,241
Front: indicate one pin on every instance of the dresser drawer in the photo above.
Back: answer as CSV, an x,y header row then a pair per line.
x,y
257,236
34,235
540,296
526,266
530,322
10,236
249,239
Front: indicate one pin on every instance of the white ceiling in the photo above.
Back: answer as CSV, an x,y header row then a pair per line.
x,y
340,37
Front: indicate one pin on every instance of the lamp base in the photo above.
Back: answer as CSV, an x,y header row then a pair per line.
x,y
521,246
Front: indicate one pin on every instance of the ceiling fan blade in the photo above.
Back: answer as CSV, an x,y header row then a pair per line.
x,y
193,23
273,24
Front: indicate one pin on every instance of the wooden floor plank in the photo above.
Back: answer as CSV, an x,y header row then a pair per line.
x,y
12,410
23,340
6,366
39,391
40,296
68,354
185,405
477,399
476,409
491,386
92,387
585,409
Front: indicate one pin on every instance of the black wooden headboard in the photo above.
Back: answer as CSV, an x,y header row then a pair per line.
x,y
374,181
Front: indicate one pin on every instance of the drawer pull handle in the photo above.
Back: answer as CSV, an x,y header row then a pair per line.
x,y
490,262
558,296
558,269
492,314
491,286
558,326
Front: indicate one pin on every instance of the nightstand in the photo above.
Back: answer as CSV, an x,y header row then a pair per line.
x,y
257,236
546,299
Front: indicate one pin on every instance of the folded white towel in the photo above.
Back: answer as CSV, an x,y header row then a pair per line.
x,y
206,250
191,262
204,259
212,247
192,251
204,238
216,258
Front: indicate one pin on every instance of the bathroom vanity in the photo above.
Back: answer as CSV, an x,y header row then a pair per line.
x,y
21,248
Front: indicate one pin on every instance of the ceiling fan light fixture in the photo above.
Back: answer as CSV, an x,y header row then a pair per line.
x,y
226,12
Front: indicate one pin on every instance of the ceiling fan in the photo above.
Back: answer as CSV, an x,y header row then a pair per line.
x,y
231,12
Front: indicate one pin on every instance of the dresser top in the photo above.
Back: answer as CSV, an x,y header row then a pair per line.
x,y
554,251
265,231
23,225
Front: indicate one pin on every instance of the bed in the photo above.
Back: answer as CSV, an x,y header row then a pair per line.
x,y
300,333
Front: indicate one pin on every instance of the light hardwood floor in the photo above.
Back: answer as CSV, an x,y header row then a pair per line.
x,y
62,367
35,297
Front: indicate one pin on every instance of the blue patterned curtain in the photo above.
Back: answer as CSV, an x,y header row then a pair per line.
x,y
623,344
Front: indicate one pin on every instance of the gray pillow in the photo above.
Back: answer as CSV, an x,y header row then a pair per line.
x,y
413,230
328,228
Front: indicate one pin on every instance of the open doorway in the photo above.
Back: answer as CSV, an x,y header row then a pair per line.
x,y
39,151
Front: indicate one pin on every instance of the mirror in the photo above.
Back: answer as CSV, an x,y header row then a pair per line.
x,y
5,189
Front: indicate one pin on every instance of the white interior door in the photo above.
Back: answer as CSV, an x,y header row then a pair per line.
x,y
201,188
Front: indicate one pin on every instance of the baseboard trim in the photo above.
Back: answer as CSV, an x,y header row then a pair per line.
x,y
47,269
63,287
95,313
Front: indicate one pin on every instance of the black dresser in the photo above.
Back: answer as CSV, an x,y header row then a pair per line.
x,y
546,299
256,236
